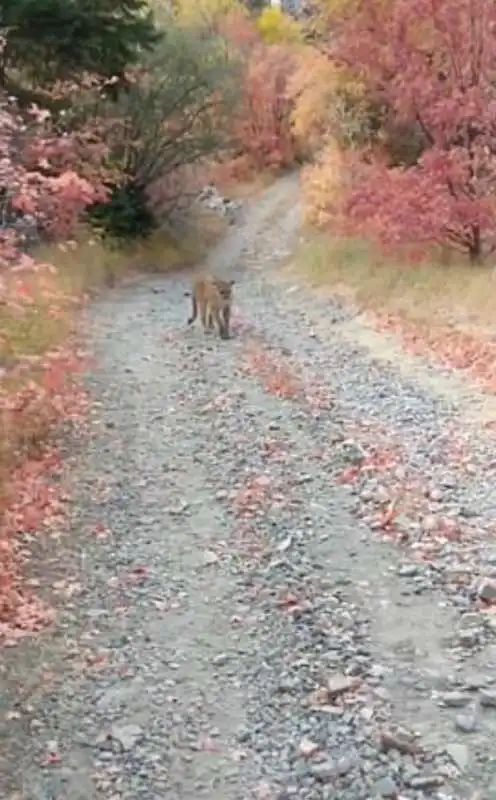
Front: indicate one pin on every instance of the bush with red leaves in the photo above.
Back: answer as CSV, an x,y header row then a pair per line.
x,y
53,178
431,65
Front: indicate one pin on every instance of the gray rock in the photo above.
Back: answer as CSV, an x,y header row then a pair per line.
x,y
386,787
459,754
323,771
354,453
487,590
210,558
487,698
455,699
466,723
340,684
426,782
469,637
127,735
117,696
408,570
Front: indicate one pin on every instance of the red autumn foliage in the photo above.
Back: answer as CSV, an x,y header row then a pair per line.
x,y
432,64
51,177
261,124
263,128
277,377
449,346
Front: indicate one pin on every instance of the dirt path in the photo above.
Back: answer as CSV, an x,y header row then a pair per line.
x,y
237,628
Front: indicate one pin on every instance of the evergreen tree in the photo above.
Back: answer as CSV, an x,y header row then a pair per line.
x,y
50,39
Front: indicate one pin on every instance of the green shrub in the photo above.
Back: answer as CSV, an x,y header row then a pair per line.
x,y
126,214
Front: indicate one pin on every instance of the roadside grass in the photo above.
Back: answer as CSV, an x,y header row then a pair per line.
x,y
441,309
88,263
439,292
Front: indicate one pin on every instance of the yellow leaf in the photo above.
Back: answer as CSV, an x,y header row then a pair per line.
x,y
276,27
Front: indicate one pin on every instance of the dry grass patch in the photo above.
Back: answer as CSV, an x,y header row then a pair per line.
x,y
437,308
81,265
89,263
433,292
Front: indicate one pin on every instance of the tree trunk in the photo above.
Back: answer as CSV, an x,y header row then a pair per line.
x,y
475,247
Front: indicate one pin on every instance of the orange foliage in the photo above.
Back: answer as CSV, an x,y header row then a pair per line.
x,y
312,88
261,123
324,188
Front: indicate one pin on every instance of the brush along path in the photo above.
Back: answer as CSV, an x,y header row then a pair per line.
x,y
235,629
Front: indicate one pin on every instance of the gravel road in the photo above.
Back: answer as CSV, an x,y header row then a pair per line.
x,y
245,623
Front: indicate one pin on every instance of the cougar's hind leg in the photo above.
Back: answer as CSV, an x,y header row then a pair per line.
x,y
227,320
204,315
224,317
218,322
210,319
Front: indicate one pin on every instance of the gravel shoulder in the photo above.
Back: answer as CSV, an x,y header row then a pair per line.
x,y
232,622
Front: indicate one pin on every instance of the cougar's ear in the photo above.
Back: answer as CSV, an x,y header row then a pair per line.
x,y
231,283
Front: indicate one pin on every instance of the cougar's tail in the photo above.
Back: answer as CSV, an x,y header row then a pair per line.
x,y
195,310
